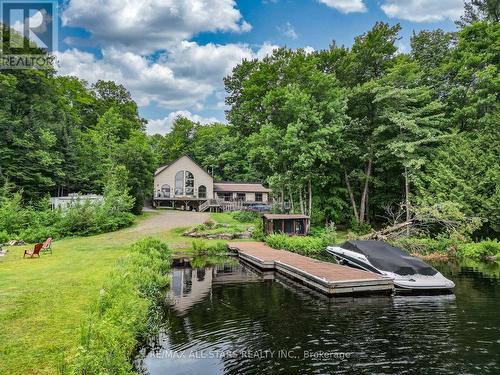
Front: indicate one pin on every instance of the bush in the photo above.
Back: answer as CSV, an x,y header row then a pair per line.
x,y
36,223
209,224
480,250
258,232
360,228
202,247
302,245
125,311
426,245
38,234
4,236
245,216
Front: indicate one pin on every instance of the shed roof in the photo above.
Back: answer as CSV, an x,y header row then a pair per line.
x,y
284,216
239,187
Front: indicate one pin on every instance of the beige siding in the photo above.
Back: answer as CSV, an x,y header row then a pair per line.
x,y
201,177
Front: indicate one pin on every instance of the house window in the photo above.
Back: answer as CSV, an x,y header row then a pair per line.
x,y
165,191
184,183
241,197
202,192
189,183
227,197
258,197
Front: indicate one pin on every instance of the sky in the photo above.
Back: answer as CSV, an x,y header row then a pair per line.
x,y
172,55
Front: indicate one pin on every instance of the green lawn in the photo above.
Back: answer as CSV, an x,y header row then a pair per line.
x,y
43,301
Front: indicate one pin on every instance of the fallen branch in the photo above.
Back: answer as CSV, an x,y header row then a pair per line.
x,y
386,232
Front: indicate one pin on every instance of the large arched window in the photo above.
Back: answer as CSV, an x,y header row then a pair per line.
x,y
184,183
202,192
165,191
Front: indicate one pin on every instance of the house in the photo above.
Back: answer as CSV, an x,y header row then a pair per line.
x,y
185,185
73,199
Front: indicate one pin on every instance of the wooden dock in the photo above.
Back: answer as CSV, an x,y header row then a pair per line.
x,y
328,278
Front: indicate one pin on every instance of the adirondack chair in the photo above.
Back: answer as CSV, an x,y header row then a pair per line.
x,y
35,251
47,246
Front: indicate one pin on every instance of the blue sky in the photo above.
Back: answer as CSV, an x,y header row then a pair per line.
x,y
173,54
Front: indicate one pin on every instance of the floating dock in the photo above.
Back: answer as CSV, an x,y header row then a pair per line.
x,y
328,278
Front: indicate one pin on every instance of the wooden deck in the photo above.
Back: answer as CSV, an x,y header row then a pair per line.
x,y
328,278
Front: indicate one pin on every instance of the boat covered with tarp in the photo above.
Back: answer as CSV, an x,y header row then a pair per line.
x,y
380,257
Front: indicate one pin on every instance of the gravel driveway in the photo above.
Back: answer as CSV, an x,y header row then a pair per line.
x,y
164,220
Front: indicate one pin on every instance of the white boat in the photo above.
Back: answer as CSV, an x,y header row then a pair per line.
x,y
408,272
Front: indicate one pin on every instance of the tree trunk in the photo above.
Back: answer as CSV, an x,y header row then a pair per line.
x,y
282,200
362,205
292,208
351,195
367,209
407,199
309,193
301,201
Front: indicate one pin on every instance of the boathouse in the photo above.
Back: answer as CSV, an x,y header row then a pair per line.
x,y
291,224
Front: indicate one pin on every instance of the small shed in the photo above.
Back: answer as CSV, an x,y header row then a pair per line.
x,y
292,224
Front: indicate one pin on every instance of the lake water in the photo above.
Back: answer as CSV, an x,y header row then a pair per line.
x,y
230,319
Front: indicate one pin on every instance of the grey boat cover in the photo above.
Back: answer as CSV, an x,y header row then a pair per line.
x,y
385,257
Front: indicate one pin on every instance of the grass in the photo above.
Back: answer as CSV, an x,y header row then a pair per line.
x,y
44,301
224,218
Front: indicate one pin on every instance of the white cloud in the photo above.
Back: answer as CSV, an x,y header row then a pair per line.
x,y
182,78
308,50
346,6
164,125
149,25
288,31
423,10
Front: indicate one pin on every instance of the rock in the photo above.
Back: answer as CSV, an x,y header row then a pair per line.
x,y
245,235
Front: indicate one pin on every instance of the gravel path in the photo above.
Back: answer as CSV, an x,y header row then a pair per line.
x,y
164,220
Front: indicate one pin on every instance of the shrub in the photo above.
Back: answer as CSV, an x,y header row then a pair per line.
x,y
36,223
202,247
245,216
307,245
4,236
360,228
209,224
258,232
124,312
480,250
425,245
38,234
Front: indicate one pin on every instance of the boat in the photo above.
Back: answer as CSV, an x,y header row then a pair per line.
x,y
409,273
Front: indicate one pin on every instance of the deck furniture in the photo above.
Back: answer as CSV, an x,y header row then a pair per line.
x,y
47,246
36,251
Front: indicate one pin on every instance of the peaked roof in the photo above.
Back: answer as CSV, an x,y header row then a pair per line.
x,y
240,187
163,167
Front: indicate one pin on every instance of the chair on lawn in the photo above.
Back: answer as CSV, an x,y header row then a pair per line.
x,y
35,251
47,246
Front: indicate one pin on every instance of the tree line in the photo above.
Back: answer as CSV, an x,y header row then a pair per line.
x,y
345,134
60,135
352,134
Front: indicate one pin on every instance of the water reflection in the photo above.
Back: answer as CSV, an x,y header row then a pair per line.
x,y
232,319
189,286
